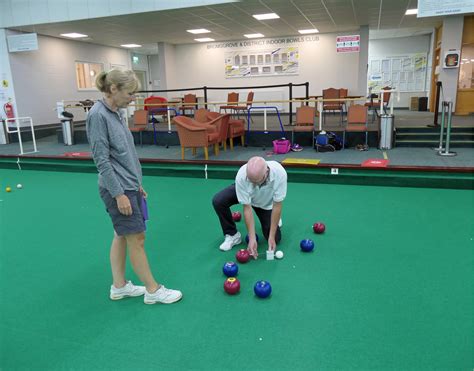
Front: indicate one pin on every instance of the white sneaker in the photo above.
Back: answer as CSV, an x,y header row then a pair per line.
x,y
163,295
280,223
129,290
231,241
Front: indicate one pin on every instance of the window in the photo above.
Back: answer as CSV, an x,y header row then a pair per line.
x,y
86,73
466,73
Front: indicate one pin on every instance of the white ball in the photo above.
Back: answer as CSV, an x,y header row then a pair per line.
x,y
279,254
19,186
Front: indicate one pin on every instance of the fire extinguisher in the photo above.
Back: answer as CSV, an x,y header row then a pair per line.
x,y
8,108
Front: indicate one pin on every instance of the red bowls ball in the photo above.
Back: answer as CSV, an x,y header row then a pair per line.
x,y
232,285
236,216
242,256
319,228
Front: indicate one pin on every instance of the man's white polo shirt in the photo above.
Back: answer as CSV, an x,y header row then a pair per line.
x,y
263,197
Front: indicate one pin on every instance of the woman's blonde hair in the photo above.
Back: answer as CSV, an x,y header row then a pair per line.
x,y
123,80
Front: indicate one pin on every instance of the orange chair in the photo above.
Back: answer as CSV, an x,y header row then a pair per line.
x,y
216,123
332,93
245,108
193,135
304,121
356,121
232,101
200,115
189,103
140,122
236,129
222,123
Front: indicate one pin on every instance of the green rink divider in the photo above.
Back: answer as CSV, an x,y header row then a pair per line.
x,y
315,174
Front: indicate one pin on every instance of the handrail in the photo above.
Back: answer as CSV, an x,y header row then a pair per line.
x,y
206,88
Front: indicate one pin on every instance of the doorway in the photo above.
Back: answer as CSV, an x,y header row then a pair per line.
x,y
141,75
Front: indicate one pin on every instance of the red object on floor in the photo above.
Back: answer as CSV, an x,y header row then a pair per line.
x,y
375,162
77,154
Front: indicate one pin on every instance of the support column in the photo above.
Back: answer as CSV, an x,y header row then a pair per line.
x,y
363,60
166,57
7,92
451,39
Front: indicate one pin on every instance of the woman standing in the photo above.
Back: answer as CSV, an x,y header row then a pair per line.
x,y
120,187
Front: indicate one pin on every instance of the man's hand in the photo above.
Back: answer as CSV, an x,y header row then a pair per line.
x,y
252,247
272,244
123,204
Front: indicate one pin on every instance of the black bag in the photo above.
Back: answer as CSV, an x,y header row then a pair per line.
x,y
335,140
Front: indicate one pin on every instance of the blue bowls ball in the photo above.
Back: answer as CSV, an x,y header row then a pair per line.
x,y
247,238
230,269
262,289
307,245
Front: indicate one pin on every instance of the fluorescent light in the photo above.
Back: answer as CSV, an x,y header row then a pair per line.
x,y
262,17
204,39
253,35
311,30
472,60
198,31
130,45
73,35
411,11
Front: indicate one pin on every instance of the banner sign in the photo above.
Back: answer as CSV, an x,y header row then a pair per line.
x,y
348,44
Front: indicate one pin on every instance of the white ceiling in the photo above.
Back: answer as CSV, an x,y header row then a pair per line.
x,y
230,21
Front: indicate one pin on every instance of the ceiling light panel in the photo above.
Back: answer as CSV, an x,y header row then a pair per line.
x,y
204,39
266,16
73,35
198,31
254,35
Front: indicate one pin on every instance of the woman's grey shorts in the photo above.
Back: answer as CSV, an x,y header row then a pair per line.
x,y
123,224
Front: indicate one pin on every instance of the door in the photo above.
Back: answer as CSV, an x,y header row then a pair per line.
x,y
141,75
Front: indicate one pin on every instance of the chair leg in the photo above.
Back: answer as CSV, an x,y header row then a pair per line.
x,y
206,153
231,142
343,139
242,140
182,153
225,144
194,151
141,138
216,149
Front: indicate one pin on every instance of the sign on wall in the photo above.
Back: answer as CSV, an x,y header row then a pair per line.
x,y
434,8
348,44
23,42
265,62
407,72
451,58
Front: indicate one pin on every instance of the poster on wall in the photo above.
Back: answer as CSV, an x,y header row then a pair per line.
x,y
265,62
434,8
348,44
407,72
451,58
22,42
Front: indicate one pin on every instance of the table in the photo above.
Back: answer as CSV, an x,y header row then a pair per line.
x,y
389,285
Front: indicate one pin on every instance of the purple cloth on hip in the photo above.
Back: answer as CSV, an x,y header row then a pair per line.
x,y
144,209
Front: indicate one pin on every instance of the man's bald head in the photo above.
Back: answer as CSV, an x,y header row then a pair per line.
x,y
256,169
